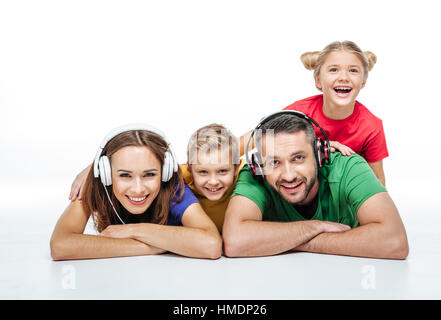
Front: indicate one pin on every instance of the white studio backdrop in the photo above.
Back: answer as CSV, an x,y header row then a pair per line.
x,y
72,70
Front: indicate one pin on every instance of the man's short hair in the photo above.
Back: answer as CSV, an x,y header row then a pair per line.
x,y
289,123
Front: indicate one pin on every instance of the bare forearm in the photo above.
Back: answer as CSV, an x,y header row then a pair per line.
x,y
264,238
186,241
81,246
243,140
370,241
382,180
380,176
377,168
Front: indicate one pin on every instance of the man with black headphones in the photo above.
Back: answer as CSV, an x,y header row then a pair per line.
x,y
295,195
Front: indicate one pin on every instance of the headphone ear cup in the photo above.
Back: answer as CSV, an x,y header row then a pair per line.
x,y
105,171
256,167
318,155
322,152
167,169
252,166
327,152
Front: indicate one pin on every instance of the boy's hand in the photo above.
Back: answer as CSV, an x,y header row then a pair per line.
x,y
76,191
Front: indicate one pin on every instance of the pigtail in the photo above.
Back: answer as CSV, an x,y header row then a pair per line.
x,y
371,59
309,59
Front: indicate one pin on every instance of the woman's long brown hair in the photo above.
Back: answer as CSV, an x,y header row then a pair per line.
x,y
95,201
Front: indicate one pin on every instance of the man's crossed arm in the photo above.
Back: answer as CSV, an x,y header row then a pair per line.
x,y
381,233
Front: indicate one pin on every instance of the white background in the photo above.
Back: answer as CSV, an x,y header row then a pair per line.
x,y
70,71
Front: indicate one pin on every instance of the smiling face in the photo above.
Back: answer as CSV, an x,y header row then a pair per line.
x,y
213,173
341,78
136,177
290,167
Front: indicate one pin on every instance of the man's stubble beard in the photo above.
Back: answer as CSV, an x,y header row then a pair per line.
x,y
309,185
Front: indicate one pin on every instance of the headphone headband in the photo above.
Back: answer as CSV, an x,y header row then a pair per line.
x,y
295,113
129,127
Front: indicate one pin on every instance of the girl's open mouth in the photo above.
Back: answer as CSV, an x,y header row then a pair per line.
x,y
342,91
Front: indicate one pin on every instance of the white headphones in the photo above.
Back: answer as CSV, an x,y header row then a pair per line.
x,y
101,164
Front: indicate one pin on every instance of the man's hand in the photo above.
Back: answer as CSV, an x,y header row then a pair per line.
x,y
328,226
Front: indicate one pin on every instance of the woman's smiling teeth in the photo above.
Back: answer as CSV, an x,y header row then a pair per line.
x,y
137,200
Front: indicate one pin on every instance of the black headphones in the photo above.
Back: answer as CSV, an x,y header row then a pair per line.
x,y
322,150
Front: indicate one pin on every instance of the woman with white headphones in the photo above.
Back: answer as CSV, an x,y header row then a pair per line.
x,y
138,202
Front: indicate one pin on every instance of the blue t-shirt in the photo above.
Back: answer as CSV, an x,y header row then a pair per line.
x,y
177,209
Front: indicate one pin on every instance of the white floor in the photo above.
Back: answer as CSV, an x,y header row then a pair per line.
x,y
27,271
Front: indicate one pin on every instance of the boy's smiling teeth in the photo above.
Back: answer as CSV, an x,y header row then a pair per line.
x,y
213,189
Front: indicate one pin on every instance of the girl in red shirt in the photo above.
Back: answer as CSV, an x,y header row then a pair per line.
x,y
340,72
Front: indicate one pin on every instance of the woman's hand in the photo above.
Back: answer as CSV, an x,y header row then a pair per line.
x,y
76,190
346,151
118,231
126,231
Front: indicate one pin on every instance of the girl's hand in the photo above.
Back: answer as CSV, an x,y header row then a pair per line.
x,y
76,191
346,151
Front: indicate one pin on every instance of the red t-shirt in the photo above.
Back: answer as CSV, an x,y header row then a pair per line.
x,y
361,131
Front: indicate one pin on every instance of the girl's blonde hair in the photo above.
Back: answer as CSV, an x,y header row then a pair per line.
x,y
212,137
314,60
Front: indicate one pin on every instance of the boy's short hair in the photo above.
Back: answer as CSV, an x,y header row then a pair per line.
x,y
212,137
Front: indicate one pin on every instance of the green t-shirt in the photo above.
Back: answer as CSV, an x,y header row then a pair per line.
x,y
344,185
